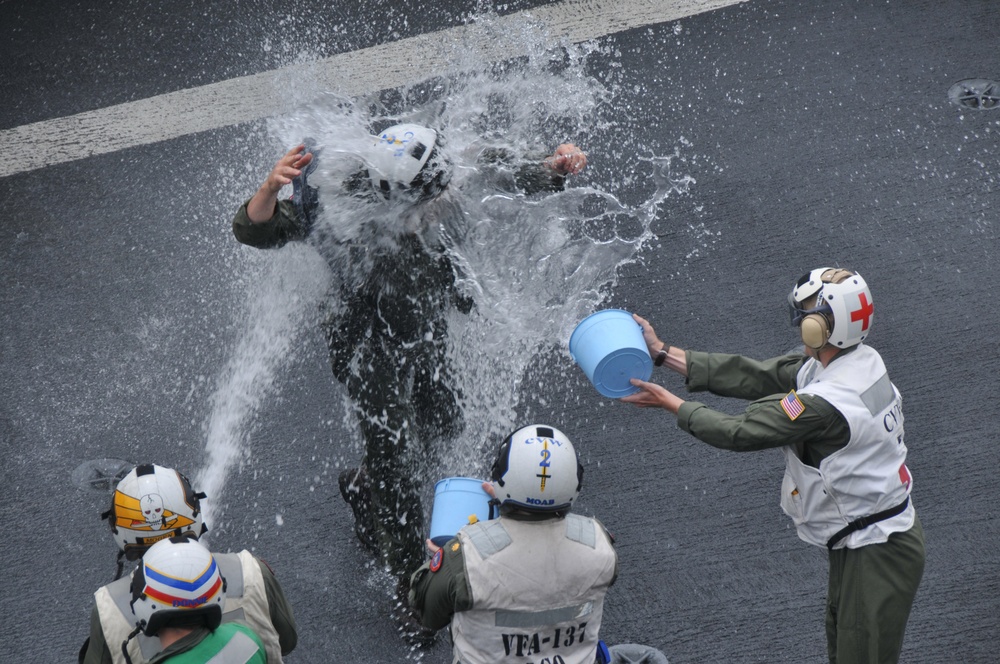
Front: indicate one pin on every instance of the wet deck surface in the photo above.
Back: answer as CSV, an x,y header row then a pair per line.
x,y
816,133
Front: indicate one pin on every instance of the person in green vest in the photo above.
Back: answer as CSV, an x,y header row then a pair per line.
x,y
153,503
178,596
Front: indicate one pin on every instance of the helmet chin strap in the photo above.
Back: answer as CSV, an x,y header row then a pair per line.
x,y
134,633
120,564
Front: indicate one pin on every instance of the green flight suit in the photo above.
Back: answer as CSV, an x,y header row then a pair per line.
x,y
387,336
870,589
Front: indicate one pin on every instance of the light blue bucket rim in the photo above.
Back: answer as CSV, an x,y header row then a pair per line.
x,y
631,360
454,518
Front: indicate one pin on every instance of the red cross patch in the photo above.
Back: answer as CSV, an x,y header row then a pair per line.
x,y
864,314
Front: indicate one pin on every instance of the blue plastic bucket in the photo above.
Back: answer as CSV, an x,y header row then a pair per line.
x,y
609,347
456,501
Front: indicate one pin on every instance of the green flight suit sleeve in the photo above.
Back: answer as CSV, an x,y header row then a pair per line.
x,y
818,432
280,610
528,175
284,226
764,424
96,647
741,377
438,595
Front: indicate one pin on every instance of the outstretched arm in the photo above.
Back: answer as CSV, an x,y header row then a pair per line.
x,y
535,174
264,221
566,160
263,204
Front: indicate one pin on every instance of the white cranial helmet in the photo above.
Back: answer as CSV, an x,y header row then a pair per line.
x,y
178,584
406,159
832,306
152,503
536,470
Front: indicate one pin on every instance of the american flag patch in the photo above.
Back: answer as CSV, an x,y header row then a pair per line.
x,y
792,406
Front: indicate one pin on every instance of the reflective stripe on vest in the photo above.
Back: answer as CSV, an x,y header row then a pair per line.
x,y
489,538
240,650
506,618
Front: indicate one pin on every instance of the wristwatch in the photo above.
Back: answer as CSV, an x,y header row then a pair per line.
x,y
661,357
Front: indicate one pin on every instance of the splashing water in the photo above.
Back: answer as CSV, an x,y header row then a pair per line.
x,y
273,321
534,266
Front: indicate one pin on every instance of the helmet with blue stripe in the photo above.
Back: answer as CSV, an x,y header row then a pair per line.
x,y
178,584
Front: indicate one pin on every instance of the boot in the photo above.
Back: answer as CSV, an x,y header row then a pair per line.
x,y
355,489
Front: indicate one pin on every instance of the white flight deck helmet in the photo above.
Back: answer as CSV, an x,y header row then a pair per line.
x,y
832,306
152,503
537,470
406,159
178,584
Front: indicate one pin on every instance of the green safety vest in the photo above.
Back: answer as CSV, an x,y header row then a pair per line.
x,y
231,643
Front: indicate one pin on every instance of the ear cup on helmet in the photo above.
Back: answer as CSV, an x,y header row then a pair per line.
x,y
500,464
815,330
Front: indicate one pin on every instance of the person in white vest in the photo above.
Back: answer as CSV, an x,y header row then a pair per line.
x,y
153,503
838,419
528,586
178,597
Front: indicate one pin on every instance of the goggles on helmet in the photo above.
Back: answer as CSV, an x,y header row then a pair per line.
x,y
796,313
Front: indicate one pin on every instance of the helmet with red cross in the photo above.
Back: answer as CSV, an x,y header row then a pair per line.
x,y
832,306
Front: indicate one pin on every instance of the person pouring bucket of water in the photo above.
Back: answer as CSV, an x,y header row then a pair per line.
x,y
838,419
387,322
500,606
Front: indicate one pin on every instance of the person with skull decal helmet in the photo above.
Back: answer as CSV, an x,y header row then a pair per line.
x,y
387,320
154,503
178,596
838,419
529,585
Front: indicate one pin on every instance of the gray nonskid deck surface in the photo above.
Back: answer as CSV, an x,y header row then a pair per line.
x,y
816,133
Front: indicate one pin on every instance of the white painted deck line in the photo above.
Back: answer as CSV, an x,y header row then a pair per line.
x,y
354,73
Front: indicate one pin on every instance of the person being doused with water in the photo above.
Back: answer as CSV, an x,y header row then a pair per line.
x,y
386,321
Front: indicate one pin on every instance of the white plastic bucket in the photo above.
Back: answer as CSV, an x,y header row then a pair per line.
x,y
458,501
609,347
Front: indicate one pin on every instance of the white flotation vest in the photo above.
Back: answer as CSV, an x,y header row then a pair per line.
x,y
246,602
866,478
537,591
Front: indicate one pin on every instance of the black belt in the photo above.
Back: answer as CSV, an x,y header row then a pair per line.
x,y
865,521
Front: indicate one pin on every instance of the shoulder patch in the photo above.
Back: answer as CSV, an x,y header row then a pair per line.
x,y
792,406
436,560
